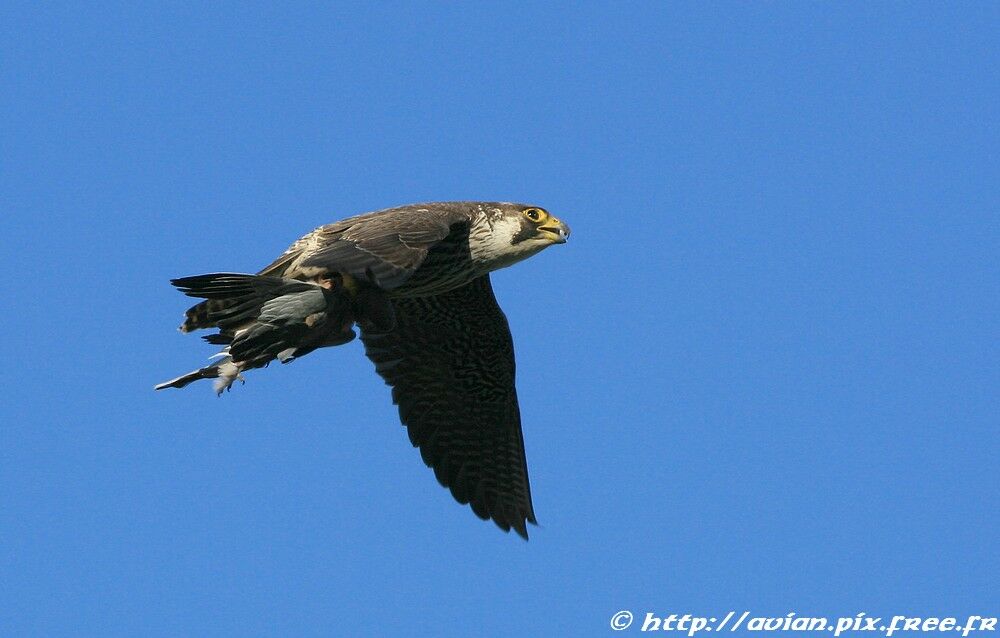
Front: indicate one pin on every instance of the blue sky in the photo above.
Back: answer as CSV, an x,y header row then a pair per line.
x,y
762,375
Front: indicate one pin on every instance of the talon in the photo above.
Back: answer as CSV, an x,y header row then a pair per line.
x,y
327,280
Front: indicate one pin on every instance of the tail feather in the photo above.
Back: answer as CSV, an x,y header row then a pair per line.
x,y
200,315
261,341
224,285
237,314
230,298
265,318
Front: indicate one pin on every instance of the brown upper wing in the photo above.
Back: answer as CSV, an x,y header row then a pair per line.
x,y
388,245
450,362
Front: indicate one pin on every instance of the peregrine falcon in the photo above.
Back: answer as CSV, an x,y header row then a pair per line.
x,y
415,281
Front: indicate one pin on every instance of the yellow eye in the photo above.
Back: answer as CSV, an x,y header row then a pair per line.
x,y
535,214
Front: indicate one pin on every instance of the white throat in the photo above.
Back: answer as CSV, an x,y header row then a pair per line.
x,y
492,235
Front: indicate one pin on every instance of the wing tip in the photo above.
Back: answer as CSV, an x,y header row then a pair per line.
x,y
518,523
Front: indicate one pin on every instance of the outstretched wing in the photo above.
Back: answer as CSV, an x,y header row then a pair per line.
x,y
450,362
387,245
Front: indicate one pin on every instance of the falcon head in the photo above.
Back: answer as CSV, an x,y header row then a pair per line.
x,y
539,227
505,233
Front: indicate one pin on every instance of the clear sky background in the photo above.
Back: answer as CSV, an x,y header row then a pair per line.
x,y
762,375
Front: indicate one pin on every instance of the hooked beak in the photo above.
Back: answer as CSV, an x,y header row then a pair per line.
x,y
556,231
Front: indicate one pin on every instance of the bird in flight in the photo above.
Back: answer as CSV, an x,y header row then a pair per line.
x,y
415,281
